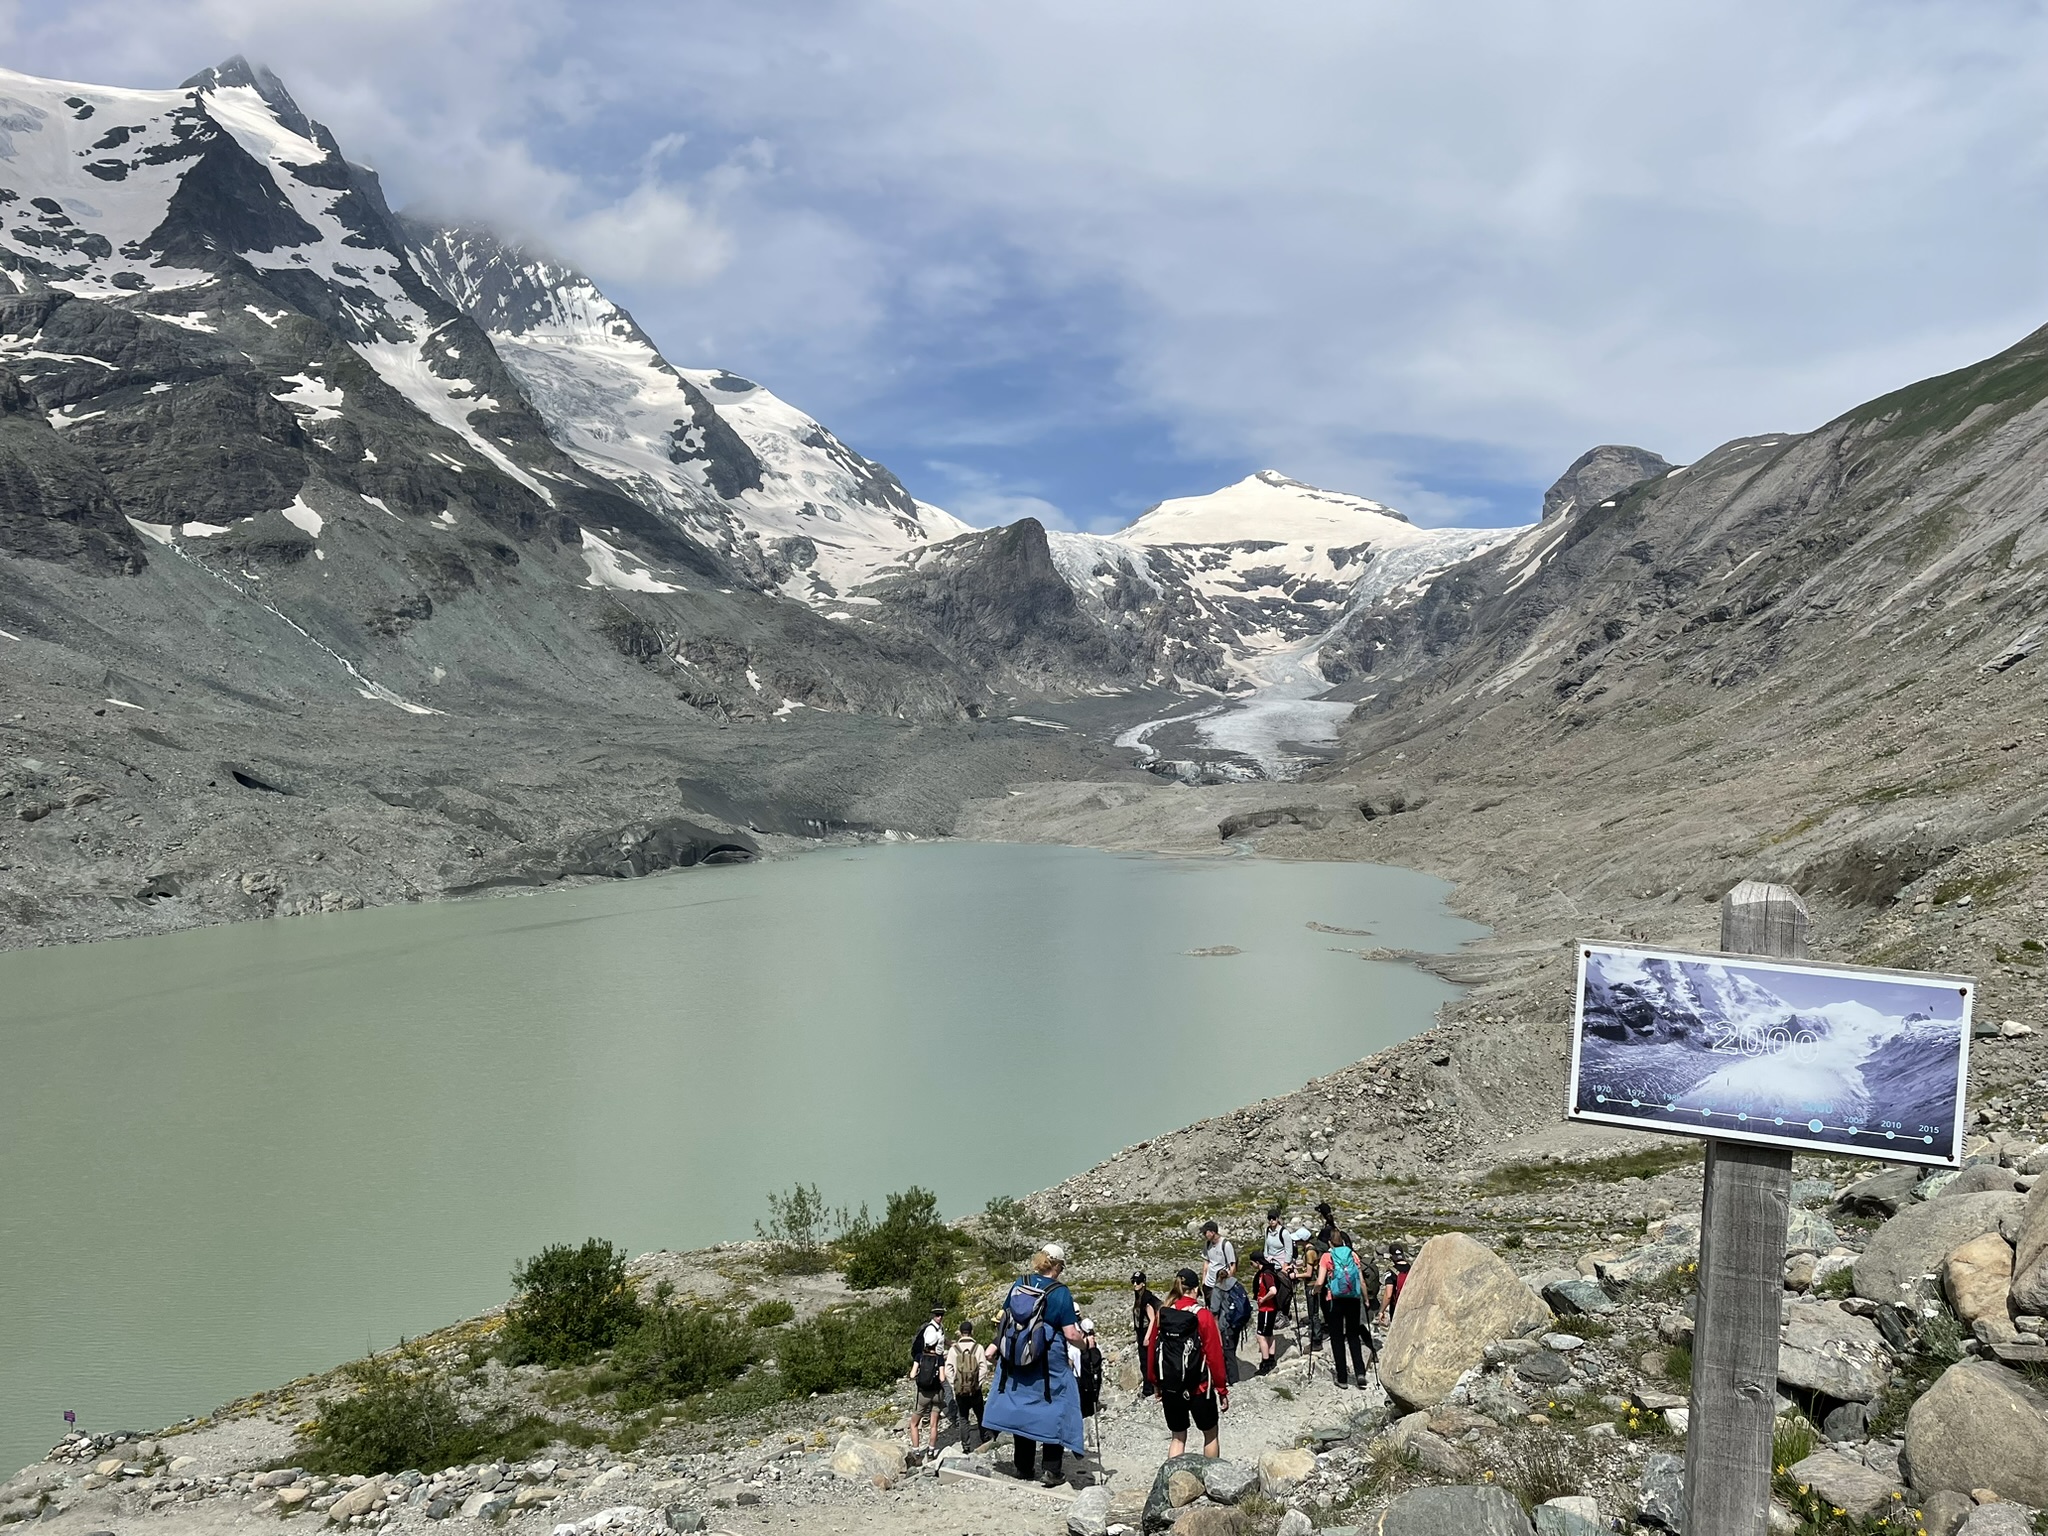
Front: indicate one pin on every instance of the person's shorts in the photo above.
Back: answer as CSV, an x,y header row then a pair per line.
x,y
1267,1320
1199,1407
931,1402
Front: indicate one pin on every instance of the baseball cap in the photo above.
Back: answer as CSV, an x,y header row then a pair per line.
x,y
1188,1278
938,1311
1056,1253
1138,1278
1087,1325
1298,1235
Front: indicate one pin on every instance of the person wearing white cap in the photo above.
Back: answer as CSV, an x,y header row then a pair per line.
x,y
1037,1398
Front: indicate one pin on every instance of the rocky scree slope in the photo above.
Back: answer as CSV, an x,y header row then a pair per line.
x,y
278,522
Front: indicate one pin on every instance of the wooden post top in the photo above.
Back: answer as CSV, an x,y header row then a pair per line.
x,y
1762,919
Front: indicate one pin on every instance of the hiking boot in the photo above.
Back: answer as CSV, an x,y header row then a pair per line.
x,y
1342,1384
1050,1480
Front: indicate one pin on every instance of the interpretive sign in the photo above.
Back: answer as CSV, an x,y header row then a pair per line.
x,y
1787,1053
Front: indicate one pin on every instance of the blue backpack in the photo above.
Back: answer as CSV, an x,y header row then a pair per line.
x,y
1237,1310
1344,1276
1025,1337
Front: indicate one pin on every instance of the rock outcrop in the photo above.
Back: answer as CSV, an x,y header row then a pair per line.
x,y
1980,1426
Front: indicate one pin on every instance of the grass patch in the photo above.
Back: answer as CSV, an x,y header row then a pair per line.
x,y
1978,888
1678,1365
1540,1469
1836,1286
1674,1285
1525,1178
772,1313
1940,1345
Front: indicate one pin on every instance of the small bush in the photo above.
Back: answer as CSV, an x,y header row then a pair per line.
x,y
1836,1285
403,1417
771,1313
797,1224
572,1303
909,1237
678,1352
848,1348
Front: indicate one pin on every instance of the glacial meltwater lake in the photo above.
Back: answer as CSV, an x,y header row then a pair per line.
x,y
235,1155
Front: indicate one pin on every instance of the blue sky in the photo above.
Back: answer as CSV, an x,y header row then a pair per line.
x,y
1069,257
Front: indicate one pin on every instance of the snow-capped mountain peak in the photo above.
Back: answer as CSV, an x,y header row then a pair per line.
x,y
1269,505
738,467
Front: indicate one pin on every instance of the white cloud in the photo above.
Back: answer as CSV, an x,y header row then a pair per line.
x,y
1395,241
983,499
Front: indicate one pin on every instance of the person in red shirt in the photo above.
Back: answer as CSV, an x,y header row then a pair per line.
x,y
1185,1348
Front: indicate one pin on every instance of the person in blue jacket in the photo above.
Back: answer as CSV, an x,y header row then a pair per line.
x,y
1035,1397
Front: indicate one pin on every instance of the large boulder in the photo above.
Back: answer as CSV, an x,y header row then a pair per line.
x,y
1848,1485
1459,1298
1983,1178
1979,1426
1469,1511
1578,1297
2030,1260
1211,1520
865,1461
1977,1278
1575,1514
1824,1349
1914,1242
1159,1506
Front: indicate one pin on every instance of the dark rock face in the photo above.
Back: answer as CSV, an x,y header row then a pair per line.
x,y
55,505
1599,473
729,463
996,604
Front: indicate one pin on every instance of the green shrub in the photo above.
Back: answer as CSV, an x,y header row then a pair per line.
x,y
909,1237
403,1417
679,1352
797,1224
572,1302
771,1313
1838,1284
849,1347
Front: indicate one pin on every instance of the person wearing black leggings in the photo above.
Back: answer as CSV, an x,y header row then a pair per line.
x,y
1347,1326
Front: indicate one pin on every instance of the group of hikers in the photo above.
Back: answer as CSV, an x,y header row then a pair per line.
x,y
1040,1378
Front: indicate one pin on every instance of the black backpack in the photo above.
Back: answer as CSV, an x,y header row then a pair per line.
x,y
1180,1367
928,1362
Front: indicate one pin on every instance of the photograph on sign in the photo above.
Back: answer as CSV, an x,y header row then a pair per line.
x,y
1824,1058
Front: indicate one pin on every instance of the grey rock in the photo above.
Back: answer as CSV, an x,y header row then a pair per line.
x,y
1809,1232
1159,1506
1457,1511
1811,1192
1545,1368
1849,1484
1578,1297
1885,1193
1846,1421
1088,1515
1979,1426
1228,1481
1913,1243
441,1508
685,1520
1827,1350
1997,1520
2030,1253
1660,1492
1944,1510
1570,1516
1984,1178
1294,1523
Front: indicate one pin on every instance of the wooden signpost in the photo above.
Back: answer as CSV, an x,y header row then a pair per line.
x,y
1761,1052
1743,1215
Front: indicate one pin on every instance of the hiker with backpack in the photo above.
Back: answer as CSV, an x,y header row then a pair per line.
x,y
1186,1351
1036,1398
928,1376
1397,1280
963,1374
1344,1281
1273,1295
1308,1263
1144,1307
